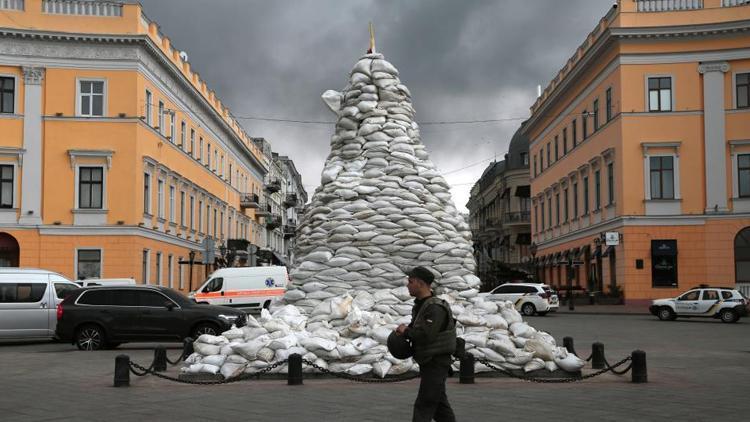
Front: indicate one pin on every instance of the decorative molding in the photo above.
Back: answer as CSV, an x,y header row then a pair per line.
x,y
737,143
33,75
674,145
16,153
706,67
75,153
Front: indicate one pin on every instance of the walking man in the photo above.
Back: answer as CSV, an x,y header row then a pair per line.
x,y
432,332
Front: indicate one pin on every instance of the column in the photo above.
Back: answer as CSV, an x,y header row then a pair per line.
x,y
31,187
714,135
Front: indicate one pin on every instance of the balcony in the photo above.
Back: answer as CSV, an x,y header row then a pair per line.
x,y
81,8
518,217
264,210
290,229
671,5
12,5
273,185
249,200
290,200
273,221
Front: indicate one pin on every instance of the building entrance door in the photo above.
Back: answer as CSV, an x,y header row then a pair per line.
x,y
8,250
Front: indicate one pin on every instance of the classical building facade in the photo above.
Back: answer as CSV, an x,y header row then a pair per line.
x,y
499,216
640,153
115,157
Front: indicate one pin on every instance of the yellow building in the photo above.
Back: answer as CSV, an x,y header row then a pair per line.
x,y
116,159
640,152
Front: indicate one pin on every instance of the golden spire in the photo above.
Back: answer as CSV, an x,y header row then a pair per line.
x,y
372,39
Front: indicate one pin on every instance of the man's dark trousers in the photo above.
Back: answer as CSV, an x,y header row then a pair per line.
x,y
432,402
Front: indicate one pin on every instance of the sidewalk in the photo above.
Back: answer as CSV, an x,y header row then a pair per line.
x,y
604,309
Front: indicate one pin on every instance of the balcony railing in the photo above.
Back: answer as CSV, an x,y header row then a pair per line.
x,y
290,200
290,229
273,185
82,8
668,5
264,210
249,200
517,217
11,5
732,3
273,221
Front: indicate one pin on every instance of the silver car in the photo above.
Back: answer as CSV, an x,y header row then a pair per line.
x,y
28,302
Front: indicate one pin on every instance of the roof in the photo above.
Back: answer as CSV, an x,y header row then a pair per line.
x,y
519,145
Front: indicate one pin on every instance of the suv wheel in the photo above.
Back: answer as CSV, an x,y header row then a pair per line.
x,y
728,315
90,337
528,309
205,328
666,314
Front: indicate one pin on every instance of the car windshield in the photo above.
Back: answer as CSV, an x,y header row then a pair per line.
x,y
178,297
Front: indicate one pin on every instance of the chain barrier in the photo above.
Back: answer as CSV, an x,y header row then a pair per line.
x,y
178,360
558,380
349,377
146,371
623,372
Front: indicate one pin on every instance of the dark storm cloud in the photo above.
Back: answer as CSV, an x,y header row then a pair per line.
x,y
462,60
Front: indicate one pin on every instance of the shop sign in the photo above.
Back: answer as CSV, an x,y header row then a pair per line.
x,y
612,238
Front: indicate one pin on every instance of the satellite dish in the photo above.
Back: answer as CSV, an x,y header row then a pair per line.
x,y
183,56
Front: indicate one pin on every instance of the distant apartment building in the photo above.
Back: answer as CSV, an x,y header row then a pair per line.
x,y
499,216
640,152
116,159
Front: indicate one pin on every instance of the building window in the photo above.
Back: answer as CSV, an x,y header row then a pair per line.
x,y
182,135
549,155
660,94
574,132
145,266
146,193
557,148
541,160
596,115
743,175
160,198
214,231
565,140
535,169
149,109
192,212
575,200
231,175
585,195
170,270
541,206
584,122
216,161
6,186
89,262
524,158
557,209
610,183
172,137
200,150
208,156
90,187
192,142
158,268
7,95
91,98
200,216
171,205
664,263
180,278
662,177
608,100
221,225
597,190
743,90
182,208
549,211
565,206
161,118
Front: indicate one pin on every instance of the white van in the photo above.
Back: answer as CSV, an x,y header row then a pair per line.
x,y
244,287
28,301
89,282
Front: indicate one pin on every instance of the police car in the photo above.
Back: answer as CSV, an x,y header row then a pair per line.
x,y
725,303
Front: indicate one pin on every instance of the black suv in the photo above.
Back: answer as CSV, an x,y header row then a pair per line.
x,y
97,317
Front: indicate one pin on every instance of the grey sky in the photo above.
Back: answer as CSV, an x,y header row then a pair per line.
x,y
461,59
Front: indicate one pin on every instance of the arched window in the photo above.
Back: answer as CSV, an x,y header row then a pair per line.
x,y
8,250
742,256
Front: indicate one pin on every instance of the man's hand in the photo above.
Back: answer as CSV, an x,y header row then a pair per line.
x,y
401,329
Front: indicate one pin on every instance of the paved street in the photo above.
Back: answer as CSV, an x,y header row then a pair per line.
x,y
697,371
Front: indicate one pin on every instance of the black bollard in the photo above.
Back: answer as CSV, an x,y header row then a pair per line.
x,y
466,371
294,375
638,366
160,359
568,344
187,348
122,371
597,356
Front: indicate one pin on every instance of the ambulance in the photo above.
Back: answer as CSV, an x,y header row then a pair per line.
x,y
243,287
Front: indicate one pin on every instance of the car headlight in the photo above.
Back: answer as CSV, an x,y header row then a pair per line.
x,y
230,318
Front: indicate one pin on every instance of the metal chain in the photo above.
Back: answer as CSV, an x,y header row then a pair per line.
x,y
618,372
146,371
178,360
346,376
556,380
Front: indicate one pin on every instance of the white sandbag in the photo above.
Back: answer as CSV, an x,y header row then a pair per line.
x,y
348,350
381,368
194,358
294,295
469,318
197,368
359,369
521,358
534,365
519,329
250,349
469,293
380,334
283,354
503,346
490,307
364,301
231,370
520,342
283,342
540,348
551,366
477,339
265,354
401,293
340,306
276,325
233,333
209,339
236,359
400,366
510,313
338,367
314,344
206,349
570,362
364,343
495,322
491,354
319,256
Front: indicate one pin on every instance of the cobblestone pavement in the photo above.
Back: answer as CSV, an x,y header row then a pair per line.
x,y
697,371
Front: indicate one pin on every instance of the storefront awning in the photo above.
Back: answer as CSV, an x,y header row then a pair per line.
x,y
610,250
523,191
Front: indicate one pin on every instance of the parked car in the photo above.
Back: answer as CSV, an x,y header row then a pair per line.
x,y
245,287
725,303
28,298
106,282
528,298
106,316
